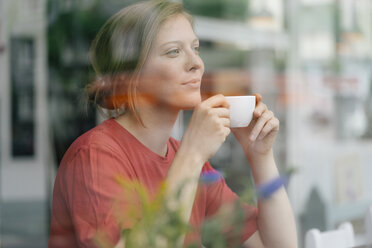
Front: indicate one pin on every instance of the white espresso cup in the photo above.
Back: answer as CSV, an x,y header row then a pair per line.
x,y
241,110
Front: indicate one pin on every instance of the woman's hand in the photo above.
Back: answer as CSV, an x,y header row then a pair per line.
x,y
257,139
208,128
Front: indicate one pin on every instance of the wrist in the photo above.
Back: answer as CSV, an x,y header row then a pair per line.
x,y
263,168
257,159
193,156
265,190
188,161
184,170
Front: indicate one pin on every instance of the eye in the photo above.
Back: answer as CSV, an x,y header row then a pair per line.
x,y
173,52
196,49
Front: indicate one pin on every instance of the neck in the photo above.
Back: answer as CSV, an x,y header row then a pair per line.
x,y
158,125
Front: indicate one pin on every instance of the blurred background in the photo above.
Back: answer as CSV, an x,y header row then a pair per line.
x,y
310,59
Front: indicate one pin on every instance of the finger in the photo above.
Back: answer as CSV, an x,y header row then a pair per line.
x,y
221,112
271,125
225,122
259,110
258,97
226,131
217,101
262,120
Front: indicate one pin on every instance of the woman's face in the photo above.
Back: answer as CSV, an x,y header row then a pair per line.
x,y
172,74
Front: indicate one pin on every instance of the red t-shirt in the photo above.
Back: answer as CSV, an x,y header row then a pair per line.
x,y
85,187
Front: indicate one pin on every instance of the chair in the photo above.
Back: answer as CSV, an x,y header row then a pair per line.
x,y
366,237
342,237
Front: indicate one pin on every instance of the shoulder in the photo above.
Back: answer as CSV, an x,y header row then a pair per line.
x,y
94,158
102,139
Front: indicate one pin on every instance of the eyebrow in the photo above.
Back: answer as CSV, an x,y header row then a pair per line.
x,y
177,42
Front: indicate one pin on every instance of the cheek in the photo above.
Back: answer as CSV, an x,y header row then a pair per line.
x,y
167,72
166,80
161,72
161,81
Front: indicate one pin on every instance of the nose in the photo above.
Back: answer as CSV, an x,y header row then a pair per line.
x,y
194,62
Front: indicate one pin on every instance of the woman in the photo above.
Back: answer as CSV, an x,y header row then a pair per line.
x,y
148,66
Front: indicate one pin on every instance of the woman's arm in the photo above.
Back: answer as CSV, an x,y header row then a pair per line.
x,y
276,224
207,130
183,174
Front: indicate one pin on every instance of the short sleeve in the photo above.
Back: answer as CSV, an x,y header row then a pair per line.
x,y
218,194
87,186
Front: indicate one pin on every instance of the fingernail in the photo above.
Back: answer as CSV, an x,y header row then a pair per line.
x,y
260,137
251,137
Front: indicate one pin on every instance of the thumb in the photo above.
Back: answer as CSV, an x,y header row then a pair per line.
x,y
258,97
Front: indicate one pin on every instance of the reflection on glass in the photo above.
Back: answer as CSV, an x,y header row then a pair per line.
x,y
262,17
23,97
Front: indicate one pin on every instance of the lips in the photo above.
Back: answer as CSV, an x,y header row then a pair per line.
x,y
194,82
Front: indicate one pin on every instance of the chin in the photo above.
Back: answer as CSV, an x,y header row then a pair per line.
x,y
190,102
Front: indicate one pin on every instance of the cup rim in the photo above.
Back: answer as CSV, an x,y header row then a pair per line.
x,y
250,96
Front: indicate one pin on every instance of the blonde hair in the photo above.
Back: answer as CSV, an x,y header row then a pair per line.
x,y
120,50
